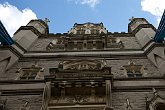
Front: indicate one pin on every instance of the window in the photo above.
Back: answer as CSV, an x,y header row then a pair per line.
x,y
56,44
114,43
156,102
99,45
87,31
130,73
70,46
89,45
79,45
133,70
29,73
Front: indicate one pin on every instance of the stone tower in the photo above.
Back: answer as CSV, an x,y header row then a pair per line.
x,y
87,68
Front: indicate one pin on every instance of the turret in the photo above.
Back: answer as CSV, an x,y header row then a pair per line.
x,y
157,51
25,36
143,30
40,25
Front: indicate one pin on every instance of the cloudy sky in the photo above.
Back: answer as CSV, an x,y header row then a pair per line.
x,y
63,14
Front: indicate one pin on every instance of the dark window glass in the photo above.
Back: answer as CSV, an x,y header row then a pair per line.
x,y
138,75
130,75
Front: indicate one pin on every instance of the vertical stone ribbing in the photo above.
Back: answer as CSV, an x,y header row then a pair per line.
x,y
108,95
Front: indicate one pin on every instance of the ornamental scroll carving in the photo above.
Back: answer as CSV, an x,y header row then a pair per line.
x,y
88,28
80,68
78,99
83,65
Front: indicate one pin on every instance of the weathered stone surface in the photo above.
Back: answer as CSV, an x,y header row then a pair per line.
x,y
84,86
17,101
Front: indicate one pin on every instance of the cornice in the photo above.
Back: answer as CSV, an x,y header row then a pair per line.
x,y
147,51
2,82
34,30
134,19
13,50
141,26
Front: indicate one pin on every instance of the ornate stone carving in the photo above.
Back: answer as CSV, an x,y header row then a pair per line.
x,y
83,65
46,20
156,102
30,72
114,43
77,99
25,106
88,28
133,70
80,68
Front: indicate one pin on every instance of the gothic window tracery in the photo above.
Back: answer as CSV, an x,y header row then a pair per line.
x,y
28,75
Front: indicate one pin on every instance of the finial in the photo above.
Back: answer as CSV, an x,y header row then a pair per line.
x,y
131,19
129,107
26,104
46,20
75,24
147,99
35,63
154,92
101,23
131,62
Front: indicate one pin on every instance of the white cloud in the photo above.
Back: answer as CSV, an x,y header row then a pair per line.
x,y
91,3
13,18
155,7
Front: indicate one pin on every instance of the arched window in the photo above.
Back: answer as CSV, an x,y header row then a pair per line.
x,y
160,106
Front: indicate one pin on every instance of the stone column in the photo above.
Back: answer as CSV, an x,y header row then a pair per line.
x,y
108,95
46,95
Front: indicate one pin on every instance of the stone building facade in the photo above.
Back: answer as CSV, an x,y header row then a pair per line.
x,y
87,68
